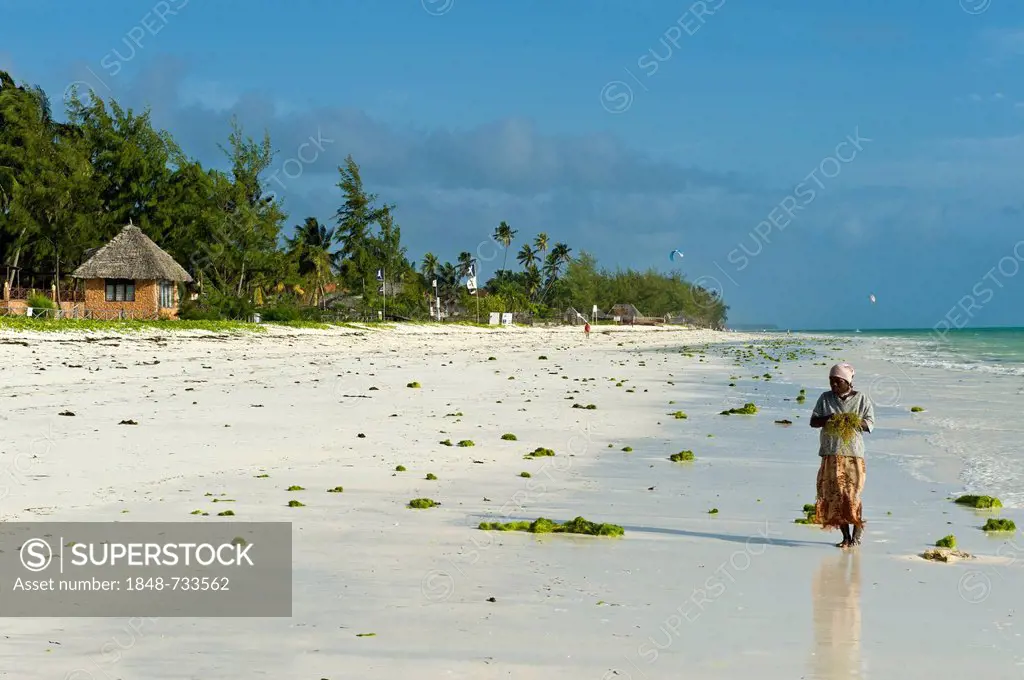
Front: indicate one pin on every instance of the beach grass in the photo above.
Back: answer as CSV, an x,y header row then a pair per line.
x,y
34,324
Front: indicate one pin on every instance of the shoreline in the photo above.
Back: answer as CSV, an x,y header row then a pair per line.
x,y
681,589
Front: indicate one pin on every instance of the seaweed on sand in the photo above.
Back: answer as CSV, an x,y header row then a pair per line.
x,y
542,525
979,502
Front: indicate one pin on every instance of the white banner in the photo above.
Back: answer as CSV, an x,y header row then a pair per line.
x,y
471,283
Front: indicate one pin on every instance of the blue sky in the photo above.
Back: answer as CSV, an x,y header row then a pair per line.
x,y
468,113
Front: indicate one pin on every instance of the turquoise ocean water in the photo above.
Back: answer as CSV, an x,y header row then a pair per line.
x,y
986,350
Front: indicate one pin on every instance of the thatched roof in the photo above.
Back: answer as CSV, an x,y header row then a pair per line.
x,y
131,255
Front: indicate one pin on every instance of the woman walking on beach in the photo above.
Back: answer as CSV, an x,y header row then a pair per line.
x,y
586,331
842,471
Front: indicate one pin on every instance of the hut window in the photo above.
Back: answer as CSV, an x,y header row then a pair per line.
x,y
166,294
120,290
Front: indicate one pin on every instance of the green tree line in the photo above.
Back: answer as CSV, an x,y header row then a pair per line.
x,y
67,188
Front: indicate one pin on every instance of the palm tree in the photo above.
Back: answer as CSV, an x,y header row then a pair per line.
x,y
540,242
429,267
527,257
504,235
311,246
465,263
562,253
448,284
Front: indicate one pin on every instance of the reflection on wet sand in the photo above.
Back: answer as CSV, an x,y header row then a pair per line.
x,y
835,595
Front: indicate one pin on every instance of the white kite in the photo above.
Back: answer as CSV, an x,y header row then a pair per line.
x,y
672,255
872,298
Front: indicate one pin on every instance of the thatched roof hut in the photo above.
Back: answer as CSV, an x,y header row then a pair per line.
x,y
132,255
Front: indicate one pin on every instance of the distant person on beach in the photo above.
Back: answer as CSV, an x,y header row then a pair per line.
x,y
586,330
842,471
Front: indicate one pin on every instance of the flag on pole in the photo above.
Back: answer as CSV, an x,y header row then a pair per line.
x,y
435,283
380,274
471,270
471,283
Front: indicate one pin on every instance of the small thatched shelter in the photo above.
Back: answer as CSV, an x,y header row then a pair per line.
x,y
131,277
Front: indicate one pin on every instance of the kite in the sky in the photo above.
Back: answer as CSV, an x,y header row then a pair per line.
x,y
872,298
672,255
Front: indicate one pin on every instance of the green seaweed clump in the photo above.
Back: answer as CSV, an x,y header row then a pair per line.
x,y
295,487
678,415
999,525
542,357
748,409
539,452
525,475
713,511
844,425
431,476
542,525
627,449
466,442
946,542
810,515
422,503
446,442
589,407
682,456
916,409
296,504
226,513
399,468
336,489
979,502
509,437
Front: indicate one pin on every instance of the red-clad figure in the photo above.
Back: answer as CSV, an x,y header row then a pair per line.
x,y
586,330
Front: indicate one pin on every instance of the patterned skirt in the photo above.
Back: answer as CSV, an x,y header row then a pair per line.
x,y
840,483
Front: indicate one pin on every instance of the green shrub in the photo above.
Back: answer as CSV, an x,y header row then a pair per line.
x,y
539,452
281,312
38,301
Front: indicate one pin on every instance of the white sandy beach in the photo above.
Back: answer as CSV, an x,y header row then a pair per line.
x,y
742,593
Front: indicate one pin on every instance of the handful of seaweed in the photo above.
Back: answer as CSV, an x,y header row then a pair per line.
x,y
844,425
